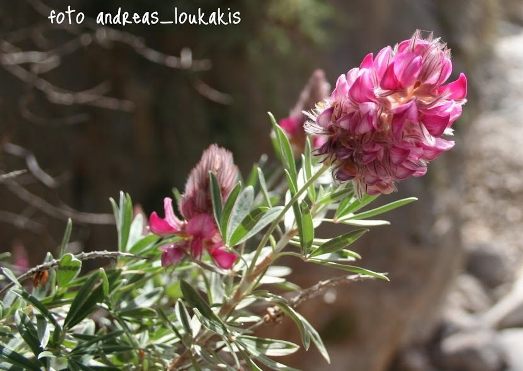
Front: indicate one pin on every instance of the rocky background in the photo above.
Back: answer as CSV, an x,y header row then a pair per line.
x,y
455,300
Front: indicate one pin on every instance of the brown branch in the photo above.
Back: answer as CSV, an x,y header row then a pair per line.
x,y
81,256
57,212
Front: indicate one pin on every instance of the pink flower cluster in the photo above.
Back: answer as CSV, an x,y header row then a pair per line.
x,y
385,120
198,232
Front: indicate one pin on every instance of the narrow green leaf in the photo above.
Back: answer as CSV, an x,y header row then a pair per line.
x,y
339,243
227,209
216,197
268,347
384,208
17,359
285,148
263,187
307,228
182,316
197,301
28,332
257,219
350,268
363,223
68,269
240,210
38,305
66,237
353,204
141,246
85,300
10,275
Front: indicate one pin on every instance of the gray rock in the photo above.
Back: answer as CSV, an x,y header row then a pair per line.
x,y
468,295
511,340
487,264
507,312
472,351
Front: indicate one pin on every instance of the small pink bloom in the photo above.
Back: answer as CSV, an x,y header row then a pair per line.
x,y
198,233
316,90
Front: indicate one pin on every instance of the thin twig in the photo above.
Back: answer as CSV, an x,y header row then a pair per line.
x,y
81,256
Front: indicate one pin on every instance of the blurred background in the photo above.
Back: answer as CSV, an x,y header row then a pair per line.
x,y
89,111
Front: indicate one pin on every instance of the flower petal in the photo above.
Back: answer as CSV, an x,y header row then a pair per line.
x,y
223,258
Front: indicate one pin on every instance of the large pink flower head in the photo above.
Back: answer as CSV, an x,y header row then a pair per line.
x,y
385,120
198,232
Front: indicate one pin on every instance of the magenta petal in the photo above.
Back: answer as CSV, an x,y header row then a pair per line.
x,y
160,226
290,124
457,89
430,152
202,225
368,61
407,67
171,255
398,155
382,62
324,118
363,89
170,217
342,88
389,80
223,258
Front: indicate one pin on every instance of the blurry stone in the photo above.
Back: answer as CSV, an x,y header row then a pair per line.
x,y
413,359
456,320
468,294
511,341
487,264
507,312
472,351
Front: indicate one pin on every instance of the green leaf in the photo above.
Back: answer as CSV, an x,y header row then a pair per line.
x,y
363,223
257,219
240,210
182,316
268,347
284,148
144,244
263,186
10,275
216,197
350,268
123,213
307,167
85,301
38,305
66,237
384,208
339,242
28,332
17,359
307,228
353,204
307,332
68,269
227,209
197,301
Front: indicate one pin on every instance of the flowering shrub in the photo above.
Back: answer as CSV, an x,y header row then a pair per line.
x,y
187,290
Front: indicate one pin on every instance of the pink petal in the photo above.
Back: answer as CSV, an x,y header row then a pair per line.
x,y
170,217
457,89
398,155
363,89
382,61
367,61
342,88
389,80
160,226
201,225
403,114
290,124
171,255
324,118
223,258
433,151
407,67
